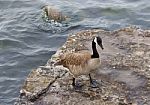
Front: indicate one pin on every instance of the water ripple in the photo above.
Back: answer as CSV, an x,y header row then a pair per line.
x,y
9,43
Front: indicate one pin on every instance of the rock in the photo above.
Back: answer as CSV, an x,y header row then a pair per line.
x,y
124,77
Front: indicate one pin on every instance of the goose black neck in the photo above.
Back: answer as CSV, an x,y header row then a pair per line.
x,y
46,10
95,53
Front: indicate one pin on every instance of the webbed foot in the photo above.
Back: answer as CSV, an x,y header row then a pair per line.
x,y
94,84
77,85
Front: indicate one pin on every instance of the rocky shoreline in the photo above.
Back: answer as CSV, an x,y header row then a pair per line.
x,y
124,77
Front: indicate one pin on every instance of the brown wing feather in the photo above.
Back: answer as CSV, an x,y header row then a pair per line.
x,y
79,58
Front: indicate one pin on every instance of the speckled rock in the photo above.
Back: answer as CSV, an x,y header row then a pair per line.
x,y
123,78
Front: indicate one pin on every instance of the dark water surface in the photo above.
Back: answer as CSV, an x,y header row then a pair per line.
x,y
26,42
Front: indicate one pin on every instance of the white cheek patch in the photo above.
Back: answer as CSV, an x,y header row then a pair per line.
x,y
97,46
95,40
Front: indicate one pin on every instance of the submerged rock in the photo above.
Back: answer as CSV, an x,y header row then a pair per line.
x,y
124,77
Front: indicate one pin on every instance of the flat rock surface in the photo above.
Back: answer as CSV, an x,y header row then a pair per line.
x,y
123,78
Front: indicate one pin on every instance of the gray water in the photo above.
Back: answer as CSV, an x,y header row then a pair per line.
x,y
26,42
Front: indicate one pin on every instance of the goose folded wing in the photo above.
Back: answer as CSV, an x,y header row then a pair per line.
x,y
75,58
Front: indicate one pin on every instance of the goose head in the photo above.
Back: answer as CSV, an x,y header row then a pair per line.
x,y
45,9
98,41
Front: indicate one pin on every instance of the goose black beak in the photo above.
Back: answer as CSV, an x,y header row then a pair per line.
x,y
100,44
102,47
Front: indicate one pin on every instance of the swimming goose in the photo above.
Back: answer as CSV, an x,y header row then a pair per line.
x,y
53,14
82,62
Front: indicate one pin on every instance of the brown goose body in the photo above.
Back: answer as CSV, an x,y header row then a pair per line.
x,y
80,63
53,14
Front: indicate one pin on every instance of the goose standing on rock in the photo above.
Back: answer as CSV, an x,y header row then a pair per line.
x,y
82,62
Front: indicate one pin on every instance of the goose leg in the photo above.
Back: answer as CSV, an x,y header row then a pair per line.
x,y
90,78
93,83
77,86
73,82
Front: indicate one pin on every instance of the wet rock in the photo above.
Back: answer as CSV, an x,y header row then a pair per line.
x,y
124,76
